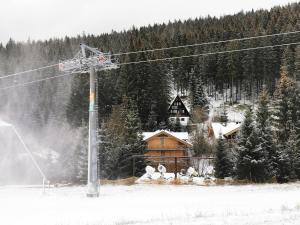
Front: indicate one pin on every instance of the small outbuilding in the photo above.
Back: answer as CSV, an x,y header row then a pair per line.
x,y
225,130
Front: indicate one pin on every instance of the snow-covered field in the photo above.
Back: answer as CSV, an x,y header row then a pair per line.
x,y
152,204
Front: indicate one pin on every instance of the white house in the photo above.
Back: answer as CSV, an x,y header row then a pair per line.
x,y
179,109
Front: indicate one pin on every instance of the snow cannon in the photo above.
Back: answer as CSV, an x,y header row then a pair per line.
x,y
162,170
191,172
149,171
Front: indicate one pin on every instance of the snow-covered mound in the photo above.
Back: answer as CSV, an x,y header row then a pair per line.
x,y
170,177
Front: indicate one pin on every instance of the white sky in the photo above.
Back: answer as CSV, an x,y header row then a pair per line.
x,y
42,19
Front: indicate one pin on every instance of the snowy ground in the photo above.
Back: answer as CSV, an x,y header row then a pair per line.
x,y
152,204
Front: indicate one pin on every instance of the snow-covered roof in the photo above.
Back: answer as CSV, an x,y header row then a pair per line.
x,y
184,136
4,124
220,128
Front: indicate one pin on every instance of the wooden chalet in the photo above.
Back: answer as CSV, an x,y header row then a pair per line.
x,y
178,109
163,146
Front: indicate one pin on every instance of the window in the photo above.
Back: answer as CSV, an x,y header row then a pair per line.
x,y
182,119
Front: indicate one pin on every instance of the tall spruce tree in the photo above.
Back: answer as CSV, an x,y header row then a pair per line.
x,y
251,160
133,143
223,162
288,61
297,140
297,63
284,108
265,137
198,95
152,120
283,122
108,153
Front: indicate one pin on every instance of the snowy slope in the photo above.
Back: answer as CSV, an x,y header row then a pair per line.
x,y
155,204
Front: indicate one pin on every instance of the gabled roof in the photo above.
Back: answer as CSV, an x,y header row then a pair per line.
x,y
179,136
230,128
184,103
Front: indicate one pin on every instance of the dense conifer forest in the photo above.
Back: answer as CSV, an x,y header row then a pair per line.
x,y
148,86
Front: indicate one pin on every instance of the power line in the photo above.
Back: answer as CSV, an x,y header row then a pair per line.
x,y
206,43
28,71
209,53
143,61
36,81
160,49
162,59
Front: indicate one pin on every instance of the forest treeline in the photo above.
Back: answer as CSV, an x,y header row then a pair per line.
x,y
236,76
149,83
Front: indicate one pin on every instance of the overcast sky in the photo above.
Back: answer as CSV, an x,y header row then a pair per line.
x,y
42,19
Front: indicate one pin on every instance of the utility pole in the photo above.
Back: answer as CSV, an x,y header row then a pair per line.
x,y
82,63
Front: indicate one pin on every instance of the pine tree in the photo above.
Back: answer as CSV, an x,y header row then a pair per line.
x,y
223,162
284,108
108,154
288,61
152,120
200,145
133,143
198,95
284,166
265,134
251,160
297,160
292,147
297,63
284,118
243,161
246,128
296,139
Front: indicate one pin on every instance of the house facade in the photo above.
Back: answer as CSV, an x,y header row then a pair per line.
x,y
178,109
163,146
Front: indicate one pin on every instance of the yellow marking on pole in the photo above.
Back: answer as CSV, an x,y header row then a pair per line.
x,y
92,97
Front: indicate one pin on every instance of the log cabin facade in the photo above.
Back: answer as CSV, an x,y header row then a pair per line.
x,y
162,144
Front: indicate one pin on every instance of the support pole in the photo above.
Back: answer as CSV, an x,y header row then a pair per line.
x,y
176,170
90,60
93,186
133,166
